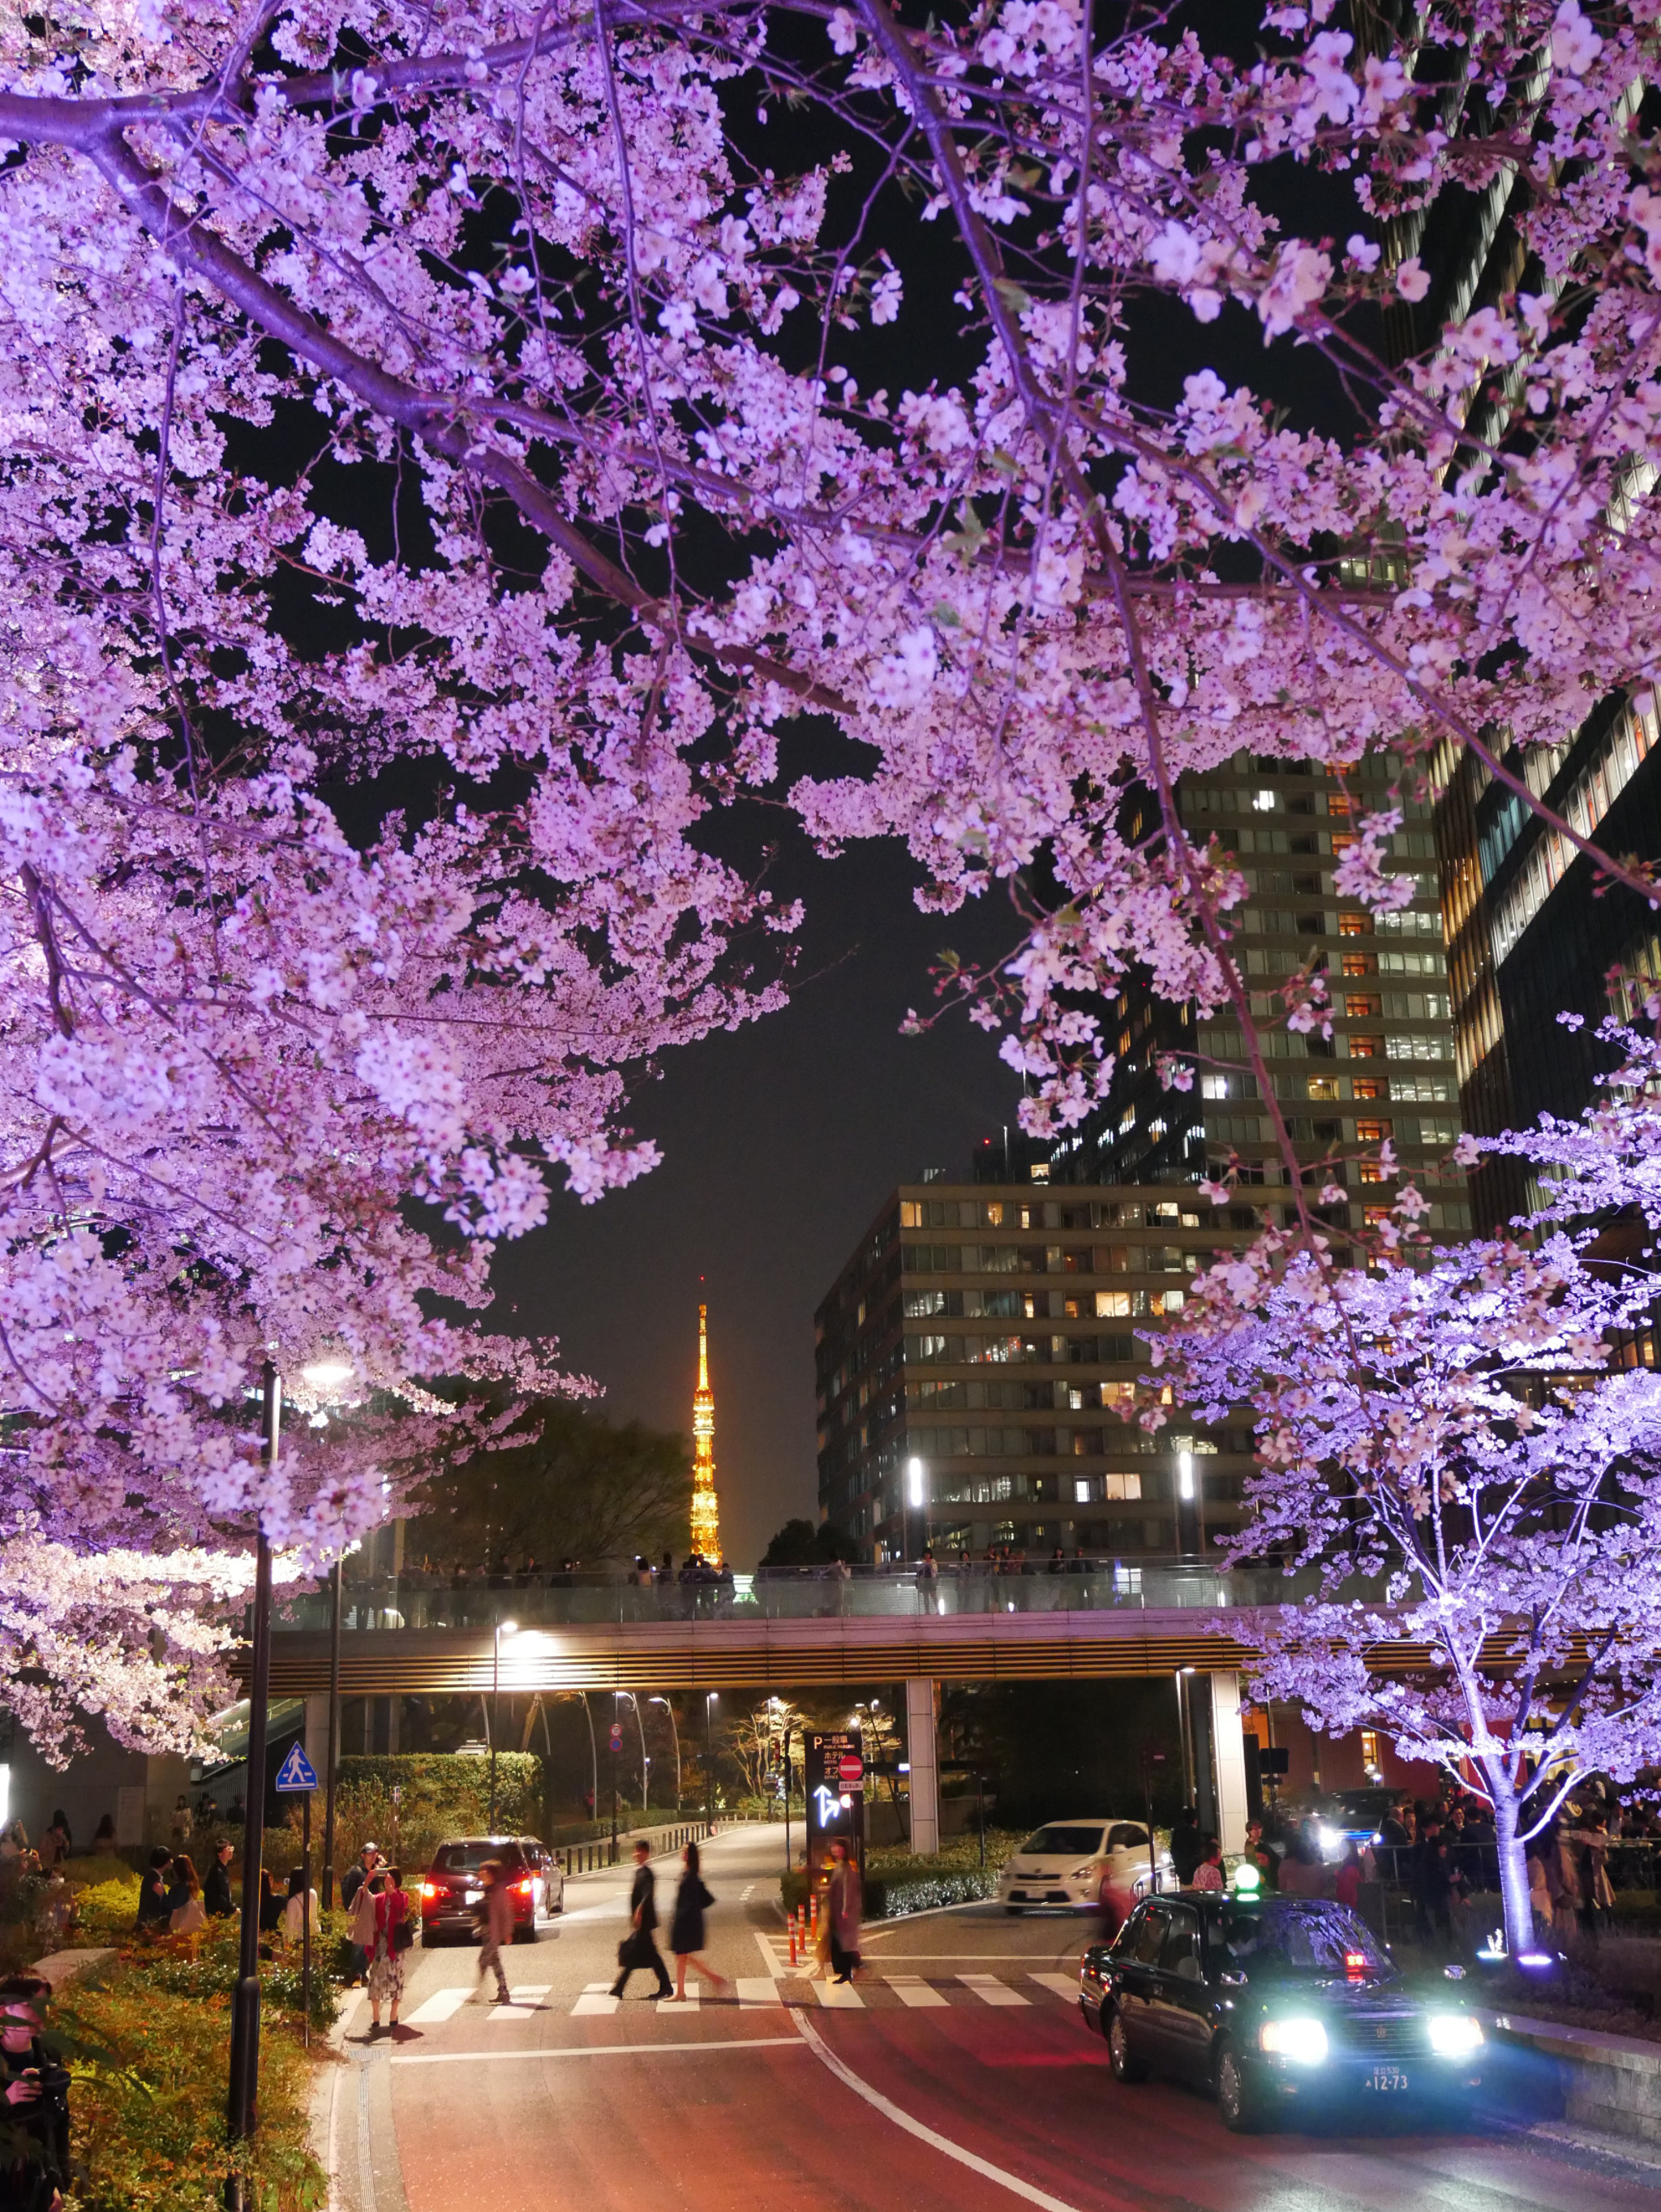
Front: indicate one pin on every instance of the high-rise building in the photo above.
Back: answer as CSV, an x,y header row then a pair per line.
x,y
973,1358
705,1509
1386,1071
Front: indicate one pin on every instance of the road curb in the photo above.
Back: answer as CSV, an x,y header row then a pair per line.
x,y
1608,2084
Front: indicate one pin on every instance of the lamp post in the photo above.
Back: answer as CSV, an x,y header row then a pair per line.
x,y
675,1726
917,1496
710,1697
333,1760
241,2115
503,1628
645,1762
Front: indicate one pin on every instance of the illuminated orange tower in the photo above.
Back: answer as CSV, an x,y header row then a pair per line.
x,y
705,1512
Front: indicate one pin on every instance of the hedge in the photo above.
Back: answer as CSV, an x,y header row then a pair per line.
x,y
892,1896
441,1793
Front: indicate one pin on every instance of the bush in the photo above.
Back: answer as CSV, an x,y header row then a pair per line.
x,y
908,1886
442,1794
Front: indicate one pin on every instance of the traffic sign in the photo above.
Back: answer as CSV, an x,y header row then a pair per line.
x,y
296,1771
851,1768
617,1736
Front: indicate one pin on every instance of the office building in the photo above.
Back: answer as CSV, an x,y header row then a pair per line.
x,y
973,1360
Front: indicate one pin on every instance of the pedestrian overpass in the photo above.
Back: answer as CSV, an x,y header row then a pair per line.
x,y
417,1635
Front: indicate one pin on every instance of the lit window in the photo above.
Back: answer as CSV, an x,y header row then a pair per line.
x,y
1358,963
1122,1485
1358,1010
1081,1491
1369,1087
1354,925
1371,1132
1371,1758
1322,1086
1372,1172
1112,1305
1214,1086
1366,1048
1040,1170
1263,802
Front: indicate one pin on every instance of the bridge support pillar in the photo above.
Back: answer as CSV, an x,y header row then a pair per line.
x,y
921,1749
1229,1754
315,1733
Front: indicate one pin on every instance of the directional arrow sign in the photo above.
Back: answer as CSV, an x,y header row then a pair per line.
x,y
296,1771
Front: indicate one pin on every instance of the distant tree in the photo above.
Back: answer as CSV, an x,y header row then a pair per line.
x,y
562,1485
800,1544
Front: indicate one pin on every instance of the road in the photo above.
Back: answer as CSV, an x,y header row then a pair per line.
x,y
957,2077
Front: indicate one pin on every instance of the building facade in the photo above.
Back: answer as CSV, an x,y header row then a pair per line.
x,y
988,1332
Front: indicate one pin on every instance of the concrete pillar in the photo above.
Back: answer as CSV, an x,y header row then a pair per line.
x,y
923,1754
315,1735
1228,1751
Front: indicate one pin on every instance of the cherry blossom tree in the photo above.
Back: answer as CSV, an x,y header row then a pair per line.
x,y
450,447
1454,1445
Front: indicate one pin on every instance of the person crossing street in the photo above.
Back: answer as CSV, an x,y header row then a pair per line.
x,y
494,1918
638,1948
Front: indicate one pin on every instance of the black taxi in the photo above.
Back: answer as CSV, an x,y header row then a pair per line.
x,y
1280,2004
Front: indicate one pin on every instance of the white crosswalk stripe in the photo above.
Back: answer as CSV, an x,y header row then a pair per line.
x,y
912,1989
839,1997
595,1998
758,1990
526,1999
439,2006
991,1991
1063,1985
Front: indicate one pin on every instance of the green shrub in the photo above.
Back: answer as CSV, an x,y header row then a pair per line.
x,y
909,1886
441,1793
207,1965
106,1910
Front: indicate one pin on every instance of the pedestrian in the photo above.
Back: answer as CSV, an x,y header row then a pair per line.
x,y
356,1876
1432,1883
153,1905
493,1916
362,1930
1185,1841
1347,1883
186,1915
686,1930
1209,1874
1539,1894
183,1821
216,1892
104,1835
637,1947
294,1913
393,1935
56,1843
1258,1854
36,2109
843,1901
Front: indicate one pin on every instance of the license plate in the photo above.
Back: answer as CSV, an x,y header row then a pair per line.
x,y
1386,2077
473,1896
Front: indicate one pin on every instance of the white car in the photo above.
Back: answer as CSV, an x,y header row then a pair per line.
x,y
1084,1866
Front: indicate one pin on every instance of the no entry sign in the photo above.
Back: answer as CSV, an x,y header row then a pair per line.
x,y
851,1768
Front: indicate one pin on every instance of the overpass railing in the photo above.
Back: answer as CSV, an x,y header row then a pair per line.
x,y
575,1599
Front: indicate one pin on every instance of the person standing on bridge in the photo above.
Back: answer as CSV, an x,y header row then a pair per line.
x,y
686,1931
843,1900
637,1948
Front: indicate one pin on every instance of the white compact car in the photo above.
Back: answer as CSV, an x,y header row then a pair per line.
x,y
1087,1865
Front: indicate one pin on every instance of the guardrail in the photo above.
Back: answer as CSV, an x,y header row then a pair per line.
x,y
415,1600
607,1850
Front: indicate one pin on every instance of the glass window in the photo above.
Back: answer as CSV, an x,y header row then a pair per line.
x,y
1063,1841
1150,1933
1281,1938
1181,1953
1122,1836
468,1858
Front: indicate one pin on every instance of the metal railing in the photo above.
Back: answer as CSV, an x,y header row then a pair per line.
x,y
607,1850
417,1600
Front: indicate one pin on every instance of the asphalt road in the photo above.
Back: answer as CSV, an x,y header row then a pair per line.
x,y
960,2078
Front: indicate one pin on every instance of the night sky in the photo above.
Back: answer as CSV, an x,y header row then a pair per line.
x,y
781,1141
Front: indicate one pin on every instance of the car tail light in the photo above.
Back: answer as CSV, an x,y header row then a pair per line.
x,y
523,1888
431,1889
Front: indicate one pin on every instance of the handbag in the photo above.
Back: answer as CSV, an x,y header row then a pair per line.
x,y
404,1935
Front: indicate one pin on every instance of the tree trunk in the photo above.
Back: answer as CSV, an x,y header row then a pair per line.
x,y
1513,1873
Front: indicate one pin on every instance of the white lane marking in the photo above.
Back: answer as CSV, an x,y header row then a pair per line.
x,y
601,2050
527,1997
1064,1985
437,2006
890,2111
839,1996
595,1998
745,1895
991,1991
758,1990
912,1989
769,1956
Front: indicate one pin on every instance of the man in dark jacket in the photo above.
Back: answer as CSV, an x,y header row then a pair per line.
x,y
216,1889
152,1907
33,2102
1432,1883
1185,1843
639,1950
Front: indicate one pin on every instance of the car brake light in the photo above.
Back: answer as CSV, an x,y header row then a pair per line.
x,y
523,1887
431,1889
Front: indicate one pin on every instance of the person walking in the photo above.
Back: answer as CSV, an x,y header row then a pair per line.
x,y
216,1895
152,1906
393,1935
493,1916
294,1913
362,1930
843,1902
637,1948
686,1930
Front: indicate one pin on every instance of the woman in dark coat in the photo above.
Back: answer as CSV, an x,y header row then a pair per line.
x,y
686,1933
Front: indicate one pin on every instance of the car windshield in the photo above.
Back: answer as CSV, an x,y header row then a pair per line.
x,y
1063,1842
1285,1936
468,1858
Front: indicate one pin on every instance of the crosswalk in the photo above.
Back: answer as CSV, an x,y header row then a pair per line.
x,y
879,1990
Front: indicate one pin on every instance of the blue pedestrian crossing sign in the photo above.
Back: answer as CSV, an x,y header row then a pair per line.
x,y
296,1771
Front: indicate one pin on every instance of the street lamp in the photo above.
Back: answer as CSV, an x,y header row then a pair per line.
x,y
674,1724
640,1725
711,1697
503,1628
917,1496
329,1375
245,2005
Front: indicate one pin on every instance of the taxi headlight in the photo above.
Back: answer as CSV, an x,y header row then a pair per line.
x,y
1455,2034
1303,2041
